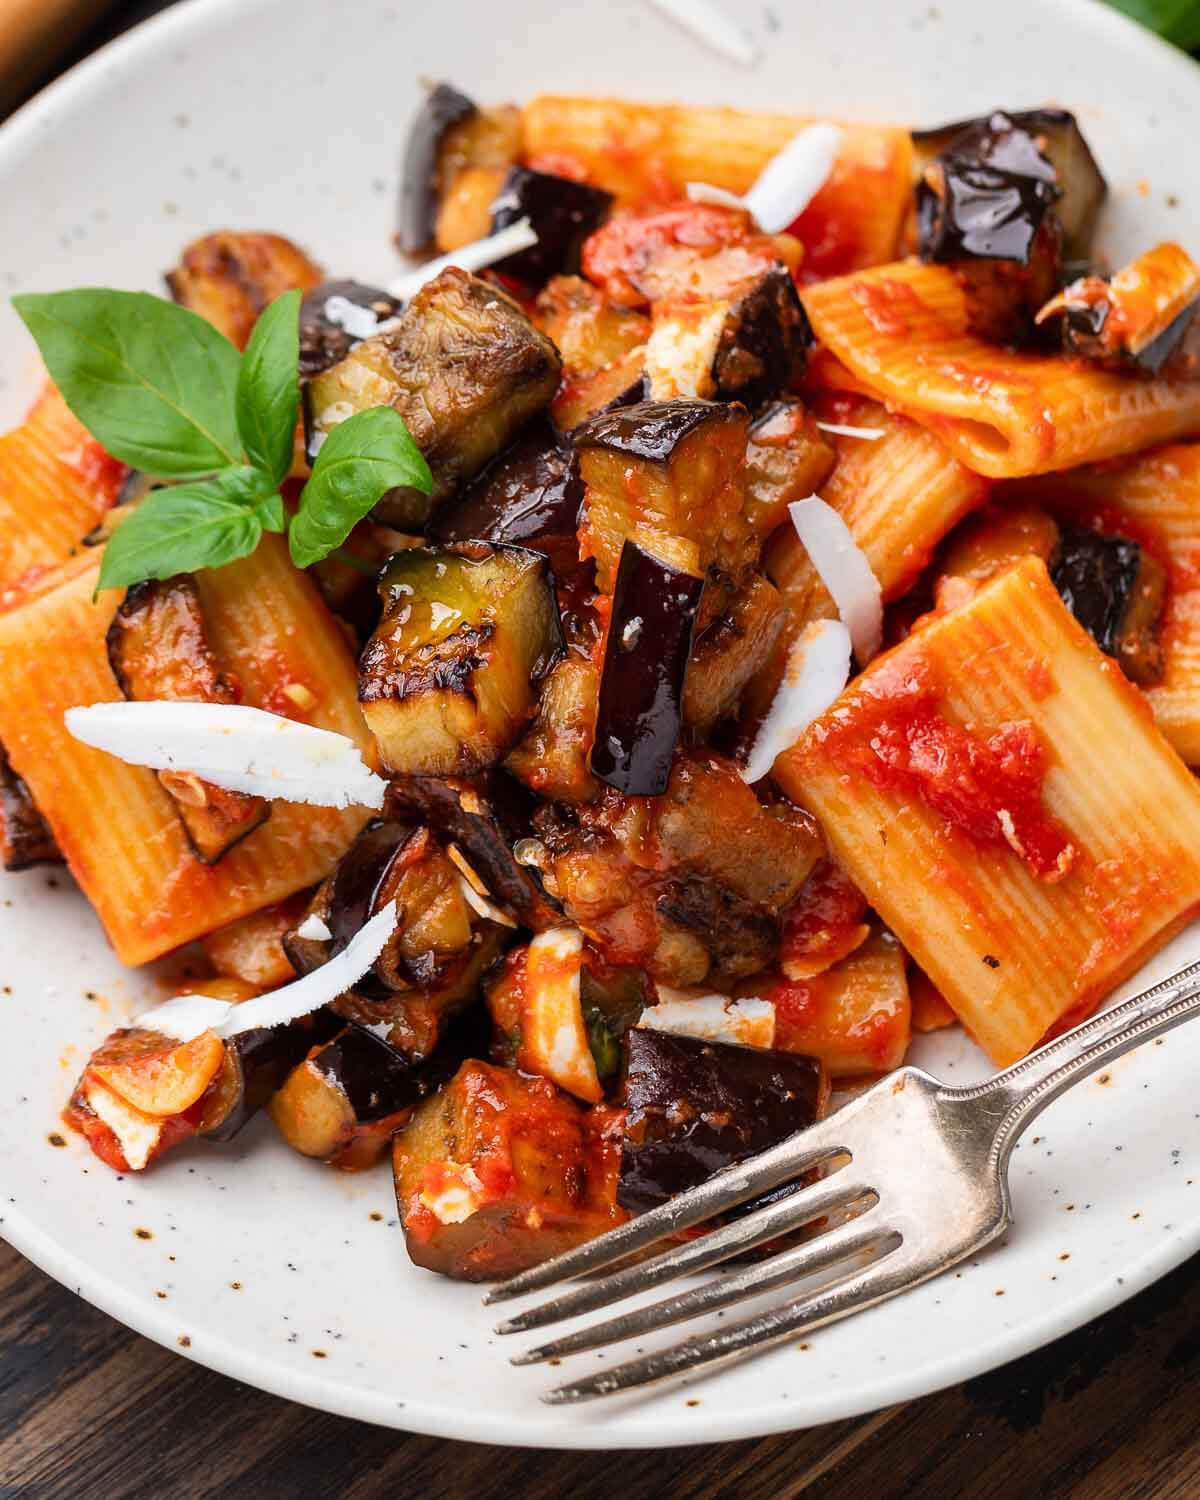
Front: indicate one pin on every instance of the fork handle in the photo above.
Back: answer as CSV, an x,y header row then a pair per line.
x,y
1018,1095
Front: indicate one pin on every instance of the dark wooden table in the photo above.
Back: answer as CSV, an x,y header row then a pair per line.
x,y
89,1409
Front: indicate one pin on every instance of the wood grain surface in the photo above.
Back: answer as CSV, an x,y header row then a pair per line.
x,y
89,1409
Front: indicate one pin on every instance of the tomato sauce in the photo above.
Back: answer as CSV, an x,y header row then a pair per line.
x,y
990,789
823,924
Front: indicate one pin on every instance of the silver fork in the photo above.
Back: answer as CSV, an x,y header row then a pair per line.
x,y
915,1175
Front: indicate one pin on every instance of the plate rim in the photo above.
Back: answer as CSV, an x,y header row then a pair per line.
x,y
18,134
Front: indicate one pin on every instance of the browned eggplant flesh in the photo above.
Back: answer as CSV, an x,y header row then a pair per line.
x,y
447,681
158,648
25,837
463,366
499,1171
694,1107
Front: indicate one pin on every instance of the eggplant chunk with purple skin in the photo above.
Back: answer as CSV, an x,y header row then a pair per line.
x,y
455,161
1142,320
343,1104
670,476
561,212
499,1171
986,208
530,497
484,818
1116,591
158,648
336,316
693,1107
447,682
256,1065
748,345
640,710
729,653
463,366
1057,138
25,838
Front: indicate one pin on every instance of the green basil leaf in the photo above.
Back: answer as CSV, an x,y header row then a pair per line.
x,y
361,459
186,527
1176,20
152,382
272,514
268,388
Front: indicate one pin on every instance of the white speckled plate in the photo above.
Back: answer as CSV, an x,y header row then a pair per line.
x,y
288,115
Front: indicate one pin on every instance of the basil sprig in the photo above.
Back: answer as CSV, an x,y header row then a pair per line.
x,y
163,391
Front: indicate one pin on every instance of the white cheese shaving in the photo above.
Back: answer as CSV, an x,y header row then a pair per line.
x,y
137,1133
818,668
187,1016
482,906
712,1018
233,746
461,1194
844,571
553,1039
787,184
842,429
708,23
474,257
314,929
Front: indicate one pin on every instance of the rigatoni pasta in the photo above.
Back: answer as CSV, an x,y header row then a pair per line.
x,y
56,482
901,330
645,152
113,822
1026,914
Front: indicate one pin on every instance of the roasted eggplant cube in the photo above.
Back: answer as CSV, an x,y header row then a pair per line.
x,y
343,1104
530,496
464,367
729,653
447,682
788,458
1116,591
485,818
257,1063
336,316
420,182
663,473
694,1107
229,278
158,648
500,1171
562,213
749,346
640,710
25,838
1057,136
552,757
590,331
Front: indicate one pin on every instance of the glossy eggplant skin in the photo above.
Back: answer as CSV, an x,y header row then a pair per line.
x,y
1116,591
640,709
485,816
337,315
355,886
529,496
561,211
258,1063
443,108
1059,140
650,429
25,838
693,1107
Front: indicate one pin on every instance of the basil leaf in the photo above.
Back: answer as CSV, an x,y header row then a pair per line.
x,y
152,382
268,388
186,527
272,514
1176,20
361,459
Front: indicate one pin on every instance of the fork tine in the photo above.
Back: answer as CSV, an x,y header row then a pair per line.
x,y
821,1254
800,1207
848,1295
725,1190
